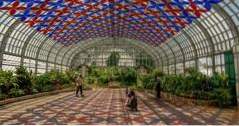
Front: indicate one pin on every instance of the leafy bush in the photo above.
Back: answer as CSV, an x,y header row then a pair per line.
x,y
148,81
3,96
23,79
221,96
15,92
71,74
157,72
43,83
128,76
7,81
219,80
24,83
103,80
198,86
53,80
90,80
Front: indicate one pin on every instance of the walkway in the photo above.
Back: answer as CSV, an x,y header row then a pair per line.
x,y
106,106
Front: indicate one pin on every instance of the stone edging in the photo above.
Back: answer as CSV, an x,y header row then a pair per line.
x,y
17,99
174,99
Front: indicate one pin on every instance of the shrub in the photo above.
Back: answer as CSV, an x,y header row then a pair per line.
x,y
157,72
219,81
3,96
71,74
7,81
43,83
15,92
148,81
103,79
90,80
128,76
221,96
23,79
198,86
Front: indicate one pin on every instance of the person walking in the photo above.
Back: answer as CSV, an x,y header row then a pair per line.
x,y
158,87
79,86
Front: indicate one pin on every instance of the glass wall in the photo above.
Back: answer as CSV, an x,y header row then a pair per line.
x,y
205,65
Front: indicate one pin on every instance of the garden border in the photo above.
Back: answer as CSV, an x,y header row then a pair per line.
x,y
17,99
188,101
171,98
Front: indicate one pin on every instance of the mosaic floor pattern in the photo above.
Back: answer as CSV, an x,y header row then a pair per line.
x,y
106,106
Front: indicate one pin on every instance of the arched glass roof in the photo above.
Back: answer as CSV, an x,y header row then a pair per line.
x,y
71,21
45,35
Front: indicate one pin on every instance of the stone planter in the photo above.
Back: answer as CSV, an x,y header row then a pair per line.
x,y
11,100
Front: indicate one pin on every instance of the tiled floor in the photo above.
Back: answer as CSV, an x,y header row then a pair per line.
x,y
106,106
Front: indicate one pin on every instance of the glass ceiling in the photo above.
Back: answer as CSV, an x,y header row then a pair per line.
x,y
71,21
33,32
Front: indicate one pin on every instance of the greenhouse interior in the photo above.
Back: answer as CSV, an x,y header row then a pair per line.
x,y
119,62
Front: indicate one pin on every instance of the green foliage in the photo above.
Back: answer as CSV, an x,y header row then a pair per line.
x,y
15,92
53,80
103,79
143,61
128,76
219,80
113,59
147,81
7,81
23,79
90,80
43,83
3,96
24,83
192,84
198,86
157,73
102,76
221,96
71,74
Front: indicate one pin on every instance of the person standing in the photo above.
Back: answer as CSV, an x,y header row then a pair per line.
x,y
79,85
134,103
158,87
126,91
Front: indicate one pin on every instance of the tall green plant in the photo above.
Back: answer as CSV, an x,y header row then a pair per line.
x,y
128,76
148,81
24,79
196,85
7,82
113,59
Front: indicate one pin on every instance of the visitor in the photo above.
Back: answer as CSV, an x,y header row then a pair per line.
x,y
158,86
126,91
79,85
132,101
